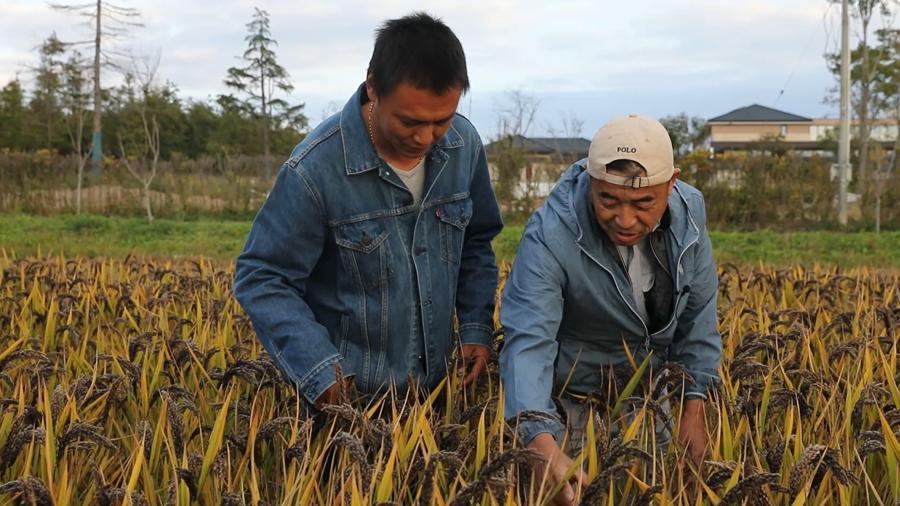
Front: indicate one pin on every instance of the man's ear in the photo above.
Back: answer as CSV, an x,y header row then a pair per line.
x,y
370,87
675,174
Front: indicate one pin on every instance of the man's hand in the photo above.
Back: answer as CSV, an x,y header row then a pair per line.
x,y
692,432
557,465
335,394
478,356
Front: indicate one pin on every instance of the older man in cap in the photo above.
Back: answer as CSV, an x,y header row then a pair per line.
x,y
614,269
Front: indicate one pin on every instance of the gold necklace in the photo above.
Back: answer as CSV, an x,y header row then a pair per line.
x,y
371,125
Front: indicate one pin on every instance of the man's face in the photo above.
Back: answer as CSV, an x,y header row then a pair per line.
x,y
627,215
410,120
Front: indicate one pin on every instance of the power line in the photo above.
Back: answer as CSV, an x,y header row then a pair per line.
x,y
802,54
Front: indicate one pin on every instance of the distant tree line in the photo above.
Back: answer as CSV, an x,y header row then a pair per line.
x,y
49,108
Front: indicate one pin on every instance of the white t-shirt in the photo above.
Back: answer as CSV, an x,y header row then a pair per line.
x,y
414,179
640,270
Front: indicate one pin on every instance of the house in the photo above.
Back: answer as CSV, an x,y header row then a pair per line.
x,y
741,128
547,148
542,160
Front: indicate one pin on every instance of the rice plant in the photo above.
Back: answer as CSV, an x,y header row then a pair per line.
x,y
131,381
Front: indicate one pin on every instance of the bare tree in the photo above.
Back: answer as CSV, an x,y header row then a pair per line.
x,y
107,21
866,109
881,175
74,103
570,126
516,114
144,166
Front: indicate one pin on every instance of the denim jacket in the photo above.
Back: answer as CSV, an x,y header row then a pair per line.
x,y
342,270
568,304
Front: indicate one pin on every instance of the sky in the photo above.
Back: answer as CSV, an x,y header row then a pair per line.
x,y
585,59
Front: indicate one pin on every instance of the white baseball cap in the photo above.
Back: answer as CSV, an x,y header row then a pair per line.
x,y
638,138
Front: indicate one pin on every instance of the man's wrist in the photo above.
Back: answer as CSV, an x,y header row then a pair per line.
x,y
693,407
548,422
543,440
475,333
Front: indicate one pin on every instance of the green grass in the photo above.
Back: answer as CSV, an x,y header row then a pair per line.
x,y
93,236
848,249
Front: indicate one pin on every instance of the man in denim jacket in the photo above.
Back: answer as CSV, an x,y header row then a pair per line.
x,y
619,253
378,231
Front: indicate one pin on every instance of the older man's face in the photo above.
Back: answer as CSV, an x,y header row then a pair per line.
x,y
627,215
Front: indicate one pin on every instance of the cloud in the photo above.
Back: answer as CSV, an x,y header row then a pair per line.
x,y
693,55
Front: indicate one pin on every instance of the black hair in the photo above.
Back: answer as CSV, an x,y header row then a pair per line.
x,y
421,50
626,168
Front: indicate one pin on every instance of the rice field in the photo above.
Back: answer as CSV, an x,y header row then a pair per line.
x,y
127,381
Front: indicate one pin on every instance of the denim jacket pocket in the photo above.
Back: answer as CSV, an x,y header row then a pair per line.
x,y
454,217
364,252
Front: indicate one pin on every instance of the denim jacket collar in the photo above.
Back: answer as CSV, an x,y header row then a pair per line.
x,y
359,154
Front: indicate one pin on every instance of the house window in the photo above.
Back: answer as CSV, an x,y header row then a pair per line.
x,y
784,130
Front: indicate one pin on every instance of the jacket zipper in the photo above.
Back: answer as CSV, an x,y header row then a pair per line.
x,y
653,250
625,300
675,288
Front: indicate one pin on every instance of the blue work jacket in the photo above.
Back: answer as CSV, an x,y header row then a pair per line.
x,y
568,305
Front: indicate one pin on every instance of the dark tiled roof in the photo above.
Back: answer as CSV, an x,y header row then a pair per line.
x,y
549,145
758,112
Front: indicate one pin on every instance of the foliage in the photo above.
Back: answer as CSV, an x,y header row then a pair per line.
x,y
882,76
144,380
224,186
686,133
44,117
507,160
145,165
872,75
108,22
259,80
13,116
197,234
45,105
773,188
74,103
512,167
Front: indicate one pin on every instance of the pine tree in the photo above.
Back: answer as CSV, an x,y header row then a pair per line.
x,y
260,80
12,116
45,102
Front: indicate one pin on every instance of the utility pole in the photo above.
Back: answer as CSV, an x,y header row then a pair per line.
x,y
844,132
